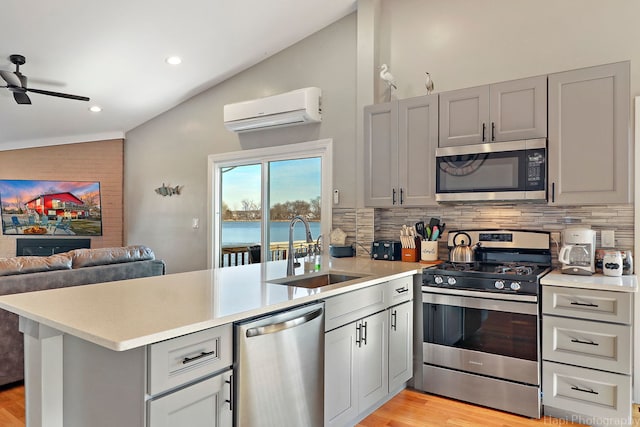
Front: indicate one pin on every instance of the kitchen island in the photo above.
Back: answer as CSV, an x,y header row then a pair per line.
x,y
77,337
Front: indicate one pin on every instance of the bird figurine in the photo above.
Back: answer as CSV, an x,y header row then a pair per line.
x,y
428,83
387,76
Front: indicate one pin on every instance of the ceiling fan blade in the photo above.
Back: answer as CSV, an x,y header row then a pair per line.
x,y
58,94
21,98
11,78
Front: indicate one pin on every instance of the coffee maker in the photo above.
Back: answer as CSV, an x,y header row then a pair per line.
x,y
577,254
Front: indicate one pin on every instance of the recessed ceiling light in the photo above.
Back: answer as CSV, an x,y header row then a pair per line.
x,y
173,60
95,109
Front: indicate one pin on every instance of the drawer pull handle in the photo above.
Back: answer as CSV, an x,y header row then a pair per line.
x,y
582,304
402,290
584,390
589,342
200,356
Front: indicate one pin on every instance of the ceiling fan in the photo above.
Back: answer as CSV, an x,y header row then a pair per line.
x,y
16,82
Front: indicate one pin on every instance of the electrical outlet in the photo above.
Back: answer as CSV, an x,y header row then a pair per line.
x,y
555,236
607,238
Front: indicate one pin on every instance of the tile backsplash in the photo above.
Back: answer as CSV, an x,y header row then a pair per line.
x,y
365,225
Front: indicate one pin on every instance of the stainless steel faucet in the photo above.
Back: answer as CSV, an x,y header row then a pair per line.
x,y
290,255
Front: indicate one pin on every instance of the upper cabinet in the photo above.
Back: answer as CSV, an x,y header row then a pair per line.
x,y
589,136
400,142
506,111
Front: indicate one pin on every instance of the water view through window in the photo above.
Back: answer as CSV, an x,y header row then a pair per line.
x,y
291,187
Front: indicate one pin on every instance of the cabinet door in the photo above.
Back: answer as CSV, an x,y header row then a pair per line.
x,y
340,383
381,155
200,405
417,141
400,344
464,116
589,136
518,109
372,362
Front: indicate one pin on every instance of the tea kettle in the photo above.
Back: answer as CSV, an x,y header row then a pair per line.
x,y
462,252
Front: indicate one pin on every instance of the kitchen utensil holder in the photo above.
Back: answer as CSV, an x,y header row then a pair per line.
x,y
428,250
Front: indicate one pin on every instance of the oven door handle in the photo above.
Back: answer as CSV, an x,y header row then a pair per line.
x,y
483,303
480,294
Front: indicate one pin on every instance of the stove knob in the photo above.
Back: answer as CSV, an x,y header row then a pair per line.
x,y
499,284
451,281
515,286
438,280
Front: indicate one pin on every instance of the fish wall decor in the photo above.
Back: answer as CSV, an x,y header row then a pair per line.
x,y
168,191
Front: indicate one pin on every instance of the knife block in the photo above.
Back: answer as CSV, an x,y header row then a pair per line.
x,y
412,254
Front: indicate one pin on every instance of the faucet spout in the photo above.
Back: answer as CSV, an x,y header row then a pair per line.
x,y
290,255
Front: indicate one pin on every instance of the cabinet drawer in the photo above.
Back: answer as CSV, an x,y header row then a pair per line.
x,y
586,391
346,308
591,344
204,404
400,290
587,304
184,359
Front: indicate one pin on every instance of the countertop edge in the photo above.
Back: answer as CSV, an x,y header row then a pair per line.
x,y
628,283
128,344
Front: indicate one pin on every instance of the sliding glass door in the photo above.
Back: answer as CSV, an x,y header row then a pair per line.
x,y
255,194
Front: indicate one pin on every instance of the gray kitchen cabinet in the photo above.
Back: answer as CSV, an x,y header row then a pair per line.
x,y
368,340
587,354
400,345
506,111
204,404
400,142
356,367
590,153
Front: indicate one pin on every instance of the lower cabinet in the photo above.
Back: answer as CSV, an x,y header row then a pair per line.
x,y
400,345
368,349
356,374
587,337
204,404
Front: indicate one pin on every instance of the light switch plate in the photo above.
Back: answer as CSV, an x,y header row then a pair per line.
x,y
607,238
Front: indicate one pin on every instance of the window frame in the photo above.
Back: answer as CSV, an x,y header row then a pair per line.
x,y
322,148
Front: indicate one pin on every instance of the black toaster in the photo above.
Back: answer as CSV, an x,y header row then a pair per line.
x,y
388,250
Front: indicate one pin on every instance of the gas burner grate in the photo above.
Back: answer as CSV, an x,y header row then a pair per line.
x,y
516,269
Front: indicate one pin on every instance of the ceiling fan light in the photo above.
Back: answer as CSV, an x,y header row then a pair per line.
x,y
95,108
173,60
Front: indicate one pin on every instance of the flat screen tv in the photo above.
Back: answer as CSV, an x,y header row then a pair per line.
x,y
50,208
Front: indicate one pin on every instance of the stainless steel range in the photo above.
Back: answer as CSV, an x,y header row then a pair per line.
x,y
481,323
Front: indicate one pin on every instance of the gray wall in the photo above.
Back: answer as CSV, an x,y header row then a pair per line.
x,y
173,147
462,43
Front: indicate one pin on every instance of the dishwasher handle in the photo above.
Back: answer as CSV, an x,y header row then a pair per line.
x,y
287,324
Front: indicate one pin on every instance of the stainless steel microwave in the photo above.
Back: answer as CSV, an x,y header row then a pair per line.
x,y
514,170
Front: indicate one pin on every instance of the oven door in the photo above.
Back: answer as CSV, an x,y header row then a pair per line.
x,y
497,171
492,337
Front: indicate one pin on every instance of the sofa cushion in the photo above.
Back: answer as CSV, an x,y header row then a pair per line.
x,y
34,264
101,256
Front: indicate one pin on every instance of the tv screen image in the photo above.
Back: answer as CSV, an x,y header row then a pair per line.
x,y
60,208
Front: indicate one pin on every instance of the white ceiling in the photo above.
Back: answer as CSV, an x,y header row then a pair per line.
x,y
114,53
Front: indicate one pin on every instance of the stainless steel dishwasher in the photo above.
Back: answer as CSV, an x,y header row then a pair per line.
x,y
280,369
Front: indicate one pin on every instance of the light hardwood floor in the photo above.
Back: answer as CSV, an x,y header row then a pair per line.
x,y
408,409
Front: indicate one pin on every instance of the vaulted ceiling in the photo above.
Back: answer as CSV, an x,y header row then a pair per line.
x,y
115,52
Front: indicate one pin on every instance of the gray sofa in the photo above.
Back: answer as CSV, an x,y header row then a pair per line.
x,y
73,268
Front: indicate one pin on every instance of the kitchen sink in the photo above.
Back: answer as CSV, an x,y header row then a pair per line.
x,y
312,281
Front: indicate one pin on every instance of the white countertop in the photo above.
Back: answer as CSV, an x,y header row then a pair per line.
x,y
596,281
132,313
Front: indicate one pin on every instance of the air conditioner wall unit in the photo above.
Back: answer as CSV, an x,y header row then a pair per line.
x,y
287,109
